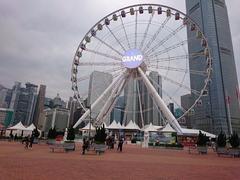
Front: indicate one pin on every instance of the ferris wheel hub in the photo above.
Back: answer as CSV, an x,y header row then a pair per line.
x,y
132,58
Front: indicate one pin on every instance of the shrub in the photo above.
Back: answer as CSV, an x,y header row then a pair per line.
x,y
52,133
234,140
100,136
71,134
202,139
221,140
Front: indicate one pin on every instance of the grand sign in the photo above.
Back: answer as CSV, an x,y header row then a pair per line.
x,y
132,58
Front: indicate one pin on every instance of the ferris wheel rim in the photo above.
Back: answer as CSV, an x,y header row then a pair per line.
x,y
76,92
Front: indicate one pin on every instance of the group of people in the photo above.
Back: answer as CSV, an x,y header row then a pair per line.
x,y
28,140
110,141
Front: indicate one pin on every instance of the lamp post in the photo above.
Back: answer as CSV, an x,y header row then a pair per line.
x,y
90,121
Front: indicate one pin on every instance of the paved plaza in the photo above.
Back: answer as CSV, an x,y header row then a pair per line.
x,y
134,162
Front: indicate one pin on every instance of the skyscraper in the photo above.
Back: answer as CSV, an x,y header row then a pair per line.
x,y
98,82
39,114
150,112
23,102
220,109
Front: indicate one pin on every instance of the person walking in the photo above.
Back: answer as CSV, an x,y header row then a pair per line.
x,y
31,141
26,142
120,144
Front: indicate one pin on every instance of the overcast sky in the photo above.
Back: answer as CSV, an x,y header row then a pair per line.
x,y
38,38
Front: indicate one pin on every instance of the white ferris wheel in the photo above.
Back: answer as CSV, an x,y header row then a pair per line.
x,y
126,46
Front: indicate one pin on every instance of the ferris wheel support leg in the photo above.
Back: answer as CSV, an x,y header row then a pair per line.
x,y
104,94
160,103
111,101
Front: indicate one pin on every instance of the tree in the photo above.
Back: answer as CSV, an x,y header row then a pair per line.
x,y
71,134
202,139
234,140
100,136
52,133
221,140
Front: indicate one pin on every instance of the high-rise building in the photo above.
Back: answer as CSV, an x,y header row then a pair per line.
x,y
118,111
57,117
6,116
39,114
220,109
73,106
150,112
5,97
98,82
23,102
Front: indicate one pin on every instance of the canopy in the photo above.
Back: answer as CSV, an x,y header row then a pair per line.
x,y
114,125
121,127
132,126
87,127
31,127
18,126
150,128
168,128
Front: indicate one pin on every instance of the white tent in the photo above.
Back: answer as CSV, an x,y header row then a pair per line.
x,y
168,128
114,125
121,127
31,127
87,127
18,129
18,126
150,128
132,126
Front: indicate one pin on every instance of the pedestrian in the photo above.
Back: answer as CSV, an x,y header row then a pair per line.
x,y
84,146
31,141
120,144
26,142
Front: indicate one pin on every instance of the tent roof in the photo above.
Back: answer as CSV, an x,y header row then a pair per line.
x,y
168,128
121,127
150,128
31,127
132,125
18,126
87,127
114,125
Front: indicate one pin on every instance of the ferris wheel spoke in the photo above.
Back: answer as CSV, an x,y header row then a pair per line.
x,y
179,85
106,44
103,54
156,34
146,31
100,64
113,71
174,58
116,39
125,32
164,40
136,25
169,68
168,49
140,103
168,96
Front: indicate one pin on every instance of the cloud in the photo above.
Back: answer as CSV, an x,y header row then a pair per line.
x,y
39,38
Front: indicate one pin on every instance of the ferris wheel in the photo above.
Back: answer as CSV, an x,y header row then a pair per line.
x,y
120,53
